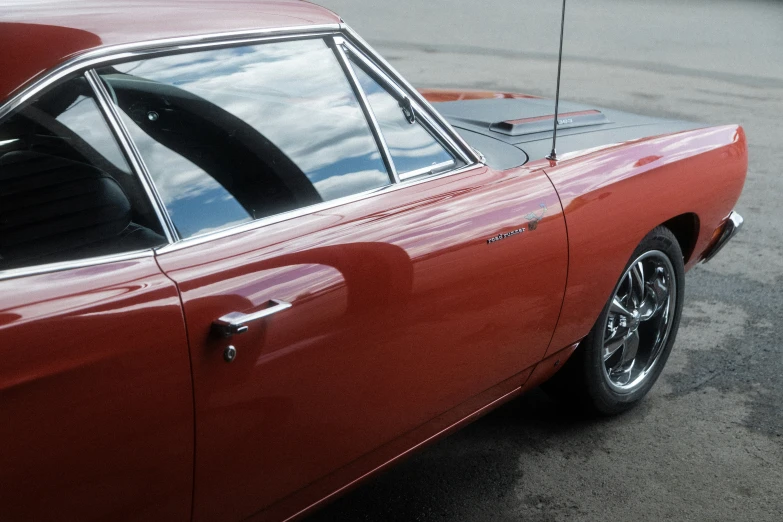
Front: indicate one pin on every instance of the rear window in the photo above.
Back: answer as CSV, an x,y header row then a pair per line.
x,y
66,191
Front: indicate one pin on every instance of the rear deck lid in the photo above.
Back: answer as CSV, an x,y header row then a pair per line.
x,y
527,123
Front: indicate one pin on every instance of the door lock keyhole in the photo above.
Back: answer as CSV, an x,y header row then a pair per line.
x,y
229,354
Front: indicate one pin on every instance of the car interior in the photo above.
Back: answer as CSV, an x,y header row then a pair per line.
x,y
61,199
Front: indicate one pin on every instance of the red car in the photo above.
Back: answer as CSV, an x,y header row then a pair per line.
x,y
244,264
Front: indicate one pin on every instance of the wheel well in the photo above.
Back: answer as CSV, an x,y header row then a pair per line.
x,y
685,228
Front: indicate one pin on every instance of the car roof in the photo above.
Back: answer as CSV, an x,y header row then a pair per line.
x,y
36,35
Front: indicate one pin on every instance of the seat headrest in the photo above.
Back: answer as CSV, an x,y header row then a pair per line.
x,y
51,205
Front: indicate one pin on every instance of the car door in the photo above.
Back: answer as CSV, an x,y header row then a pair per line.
x,y
331,309
96,414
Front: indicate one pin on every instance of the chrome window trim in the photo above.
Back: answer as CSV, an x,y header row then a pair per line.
x,y
443,166
443,138
377,71
137,50
443,125
369,114
130,51
131,152
46,268
88,60
15,273
311,209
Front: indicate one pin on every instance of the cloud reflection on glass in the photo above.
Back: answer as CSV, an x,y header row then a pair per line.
x,y
294,94
411,146
84,118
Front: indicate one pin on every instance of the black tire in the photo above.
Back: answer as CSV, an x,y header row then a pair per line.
x,y
586,380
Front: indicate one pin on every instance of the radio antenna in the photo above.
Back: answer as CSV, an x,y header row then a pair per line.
x,y
553,155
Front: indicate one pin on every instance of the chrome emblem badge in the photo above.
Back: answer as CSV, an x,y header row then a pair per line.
x,y
532,223
504,236
533,218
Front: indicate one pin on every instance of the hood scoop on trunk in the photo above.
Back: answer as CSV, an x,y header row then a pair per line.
x,y
565,120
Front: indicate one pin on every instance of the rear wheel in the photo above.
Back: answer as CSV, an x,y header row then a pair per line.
x,y
625,352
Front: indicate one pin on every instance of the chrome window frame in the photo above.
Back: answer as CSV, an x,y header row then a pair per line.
x,y
131,153
340,34
48,268
131,51
304,211
443,166
149,190
421,117
337,43
440,125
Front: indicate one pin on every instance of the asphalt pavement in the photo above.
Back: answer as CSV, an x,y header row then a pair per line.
x,y
707,443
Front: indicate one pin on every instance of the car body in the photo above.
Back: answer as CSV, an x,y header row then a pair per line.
x,y
178,346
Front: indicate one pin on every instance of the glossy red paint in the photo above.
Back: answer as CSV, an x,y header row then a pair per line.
x,y
95,395
348,477
345,478
402,313
35,36
31,49
614,196
448,95
406,322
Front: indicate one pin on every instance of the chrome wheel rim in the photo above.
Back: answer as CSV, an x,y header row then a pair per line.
x,y
639,321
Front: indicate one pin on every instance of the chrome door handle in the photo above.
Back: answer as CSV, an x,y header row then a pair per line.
x,y
236,322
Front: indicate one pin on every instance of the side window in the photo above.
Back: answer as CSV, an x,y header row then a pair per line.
x,y
413,149
66,192
236,134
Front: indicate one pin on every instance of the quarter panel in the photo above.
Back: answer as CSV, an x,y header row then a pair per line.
x,y
95,396
614,197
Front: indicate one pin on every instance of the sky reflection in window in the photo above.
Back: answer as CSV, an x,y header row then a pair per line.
x,y
292,94
411,146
